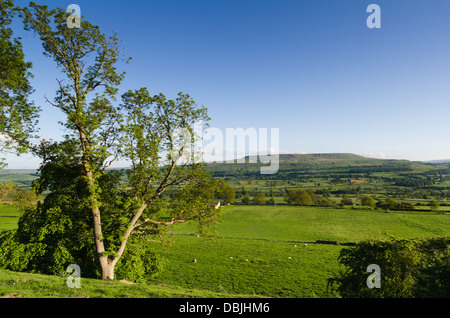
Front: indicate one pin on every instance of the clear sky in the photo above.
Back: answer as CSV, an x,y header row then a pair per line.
x,y
312,68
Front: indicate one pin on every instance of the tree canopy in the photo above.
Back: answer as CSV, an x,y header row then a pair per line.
x,y
90,212
18,116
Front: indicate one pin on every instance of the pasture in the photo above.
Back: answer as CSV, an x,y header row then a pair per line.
x,y
262,251
9,216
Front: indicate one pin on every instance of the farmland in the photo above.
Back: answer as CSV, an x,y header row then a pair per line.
x,y
9,216
271,250
258,251
261,252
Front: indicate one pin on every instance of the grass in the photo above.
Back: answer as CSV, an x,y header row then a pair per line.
x,y
308,224
258,252
27,285
250,266
9,216
23,179
255,251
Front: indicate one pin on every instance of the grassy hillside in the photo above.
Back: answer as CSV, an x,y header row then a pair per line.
x,y
258,252
27,285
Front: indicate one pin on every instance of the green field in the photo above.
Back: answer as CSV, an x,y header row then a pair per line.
x,y
22,178
259,251
26,285
9,216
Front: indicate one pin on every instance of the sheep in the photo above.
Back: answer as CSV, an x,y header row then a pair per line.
x,y
194,261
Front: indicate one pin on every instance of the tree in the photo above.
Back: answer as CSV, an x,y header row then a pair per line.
x,y
299,197
26,198
8,191
409,268
226,192
143,129
346,200
259,198
387,204
17,115
368,201
246,199
434,206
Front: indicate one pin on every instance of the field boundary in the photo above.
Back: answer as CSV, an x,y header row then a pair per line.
x,y
326,242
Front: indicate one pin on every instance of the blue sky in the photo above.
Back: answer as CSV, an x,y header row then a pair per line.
x,y
313,69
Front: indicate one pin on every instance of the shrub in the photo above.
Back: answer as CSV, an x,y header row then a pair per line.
x,y
139,263
259,198
368,201
409,268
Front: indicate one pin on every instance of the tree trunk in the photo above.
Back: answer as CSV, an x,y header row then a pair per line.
x,y
107,267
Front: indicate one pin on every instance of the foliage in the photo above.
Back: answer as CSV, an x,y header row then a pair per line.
x,y
140,262
259,198
391,204
16,256
306,197
299,197
26,198
368,201
225,192
8,191
346,200
155,134
18,116
194,202
434,205
409,268
56,233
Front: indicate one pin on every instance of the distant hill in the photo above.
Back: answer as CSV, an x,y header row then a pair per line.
x,y
11,171
347,158
293,165
327,157
438,161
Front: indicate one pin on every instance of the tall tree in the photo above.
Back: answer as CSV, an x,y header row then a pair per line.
x,y
153,133
18,116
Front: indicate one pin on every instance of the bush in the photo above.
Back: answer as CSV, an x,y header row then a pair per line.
x,y
259,198
409,268
139,263
368,201
16,256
